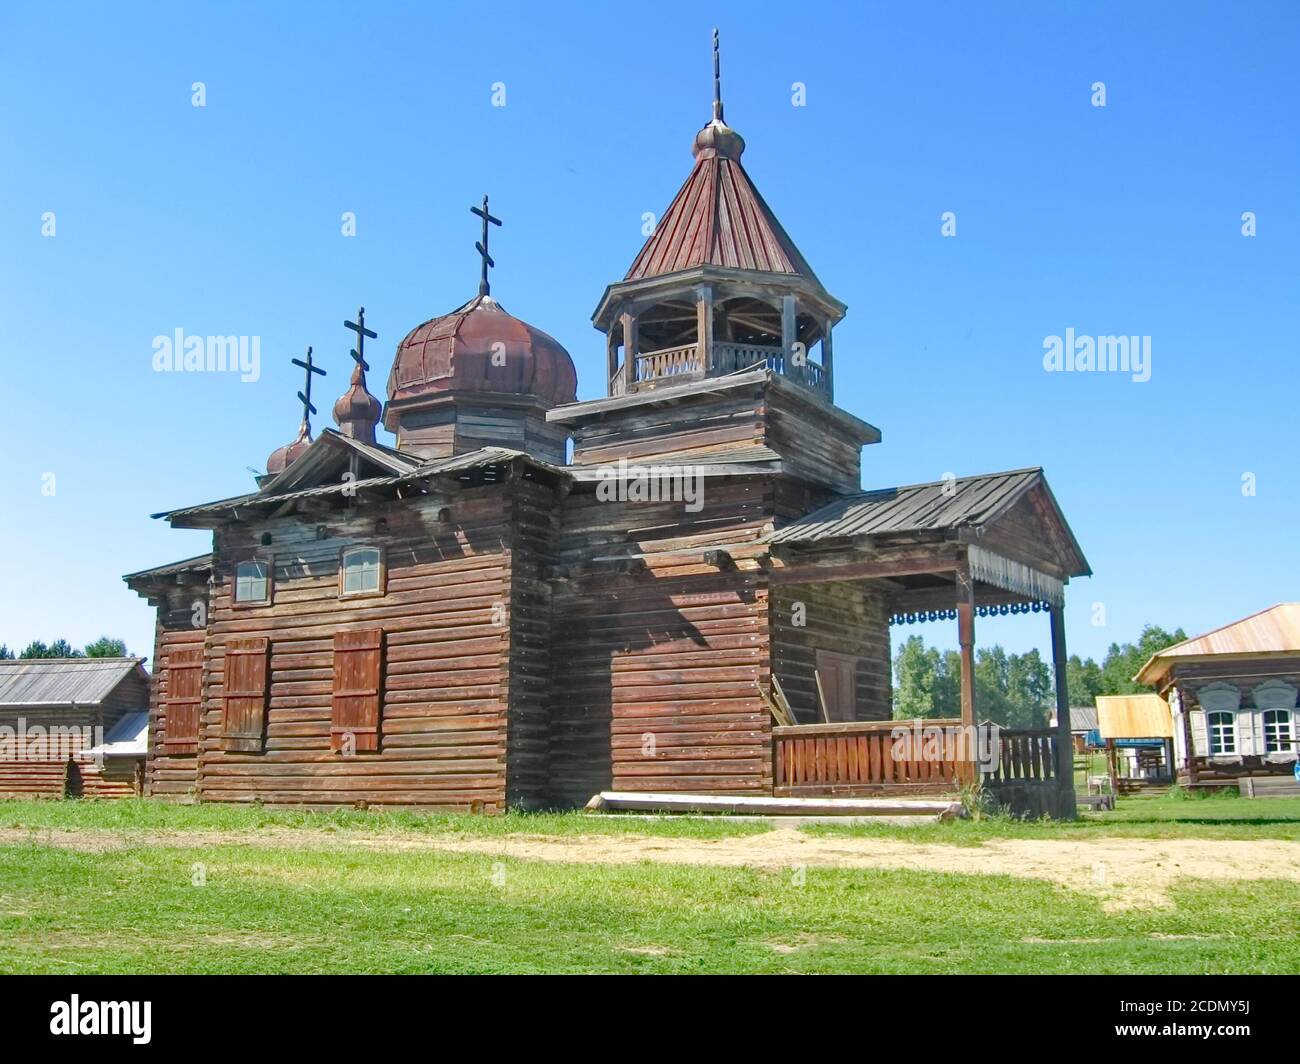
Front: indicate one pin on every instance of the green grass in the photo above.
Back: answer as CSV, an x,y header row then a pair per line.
x,y
302,910
146,815
1155,816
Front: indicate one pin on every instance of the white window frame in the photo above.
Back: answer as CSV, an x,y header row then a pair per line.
x,y
1279,733
380,574
1221,731
268,570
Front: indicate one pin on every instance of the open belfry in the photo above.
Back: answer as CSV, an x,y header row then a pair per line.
x,y
525,600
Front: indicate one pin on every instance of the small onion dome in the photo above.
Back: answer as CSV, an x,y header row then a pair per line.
x,y
720,139
357,412
481,348
283,457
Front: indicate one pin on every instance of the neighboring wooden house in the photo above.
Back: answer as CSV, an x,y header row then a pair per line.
x,y
467,621
54,712
1232,692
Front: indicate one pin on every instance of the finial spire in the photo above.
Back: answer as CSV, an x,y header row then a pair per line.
x,y
307,409
482,246
357,411
717,79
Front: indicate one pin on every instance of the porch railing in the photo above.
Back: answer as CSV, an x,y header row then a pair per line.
x,y
862,757
1025,754
686,362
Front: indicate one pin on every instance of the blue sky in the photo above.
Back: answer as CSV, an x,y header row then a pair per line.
x,y
225,219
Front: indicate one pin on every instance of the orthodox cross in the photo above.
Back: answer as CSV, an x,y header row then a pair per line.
x,y
483,287
717,79
359,327
307,408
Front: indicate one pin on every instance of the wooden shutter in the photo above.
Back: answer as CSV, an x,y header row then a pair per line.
x,y
358,666
184,704
245,694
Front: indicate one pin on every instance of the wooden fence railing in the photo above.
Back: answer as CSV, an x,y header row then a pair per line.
x,y
1025,754
862,757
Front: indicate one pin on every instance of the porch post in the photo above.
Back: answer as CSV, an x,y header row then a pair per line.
x,y
966,640
629,347
828,361
704,325
788,334
1185,711
611,356
1067,802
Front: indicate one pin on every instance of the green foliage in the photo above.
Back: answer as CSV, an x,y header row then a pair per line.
x,y
103,647
1015,690
5,653
106,647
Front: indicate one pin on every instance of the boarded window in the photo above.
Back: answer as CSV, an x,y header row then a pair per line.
x,y
245,694
838,676
358,666
184,700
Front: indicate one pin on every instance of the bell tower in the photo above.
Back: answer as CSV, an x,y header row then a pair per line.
x,y
719,285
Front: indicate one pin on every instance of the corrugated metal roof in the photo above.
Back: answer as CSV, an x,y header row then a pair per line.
x,y
129,737
935,506
62,681
1082,718
1134,717
459,463
1275,630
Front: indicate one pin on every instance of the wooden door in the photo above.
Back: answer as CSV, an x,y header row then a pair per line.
x,y
838,674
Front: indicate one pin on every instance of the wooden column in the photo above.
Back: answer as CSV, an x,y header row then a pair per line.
x,y
704,325
828,362
966,641
629,347
1067,807
611,357
1185,712
788,334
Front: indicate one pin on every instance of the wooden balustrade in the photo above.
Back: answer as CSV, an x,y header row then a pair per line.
x,y
864,757
686,361
1025,754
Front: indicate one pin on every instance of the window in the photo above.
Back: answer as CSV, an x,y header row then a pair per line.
x,y
1223,733
358,674
244,687
252,581
361,572
183,708
1277,731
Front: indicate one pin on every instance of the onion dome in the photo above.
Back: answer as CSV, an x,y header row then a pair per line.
x,y
480,348
283,457
356,411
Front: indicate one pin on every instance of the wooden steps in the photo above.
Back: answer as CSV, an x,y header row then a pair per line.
x,y
1269,787
940,808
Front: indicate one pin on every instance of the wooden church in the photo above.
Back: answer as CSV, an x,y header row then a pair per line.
x,y
527,600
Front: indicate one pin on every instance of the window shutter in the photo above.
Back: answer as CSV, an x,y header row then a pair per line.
x,y
184,700
245,694
357,670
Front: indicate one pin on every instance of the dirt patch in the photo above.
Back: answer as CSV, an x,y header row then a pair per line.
x,y
1123,872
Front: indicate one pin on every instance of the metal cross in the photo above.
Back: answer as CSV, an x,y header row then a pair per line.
x,y
307,408
359,327
483,287
717,79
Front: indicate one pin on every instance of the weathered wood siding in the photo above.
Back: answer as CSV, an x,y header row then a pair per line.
x,y
169,774
848,617
446,665
658,662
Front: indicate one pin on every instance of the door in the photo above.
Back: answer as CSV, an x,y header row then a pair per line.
x,y
838,676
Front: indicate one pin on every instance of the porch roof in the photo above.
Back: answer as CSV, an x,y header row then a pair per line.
x,y
967,503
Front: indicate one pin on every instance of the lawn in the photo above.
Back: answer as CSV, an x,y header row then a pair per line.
x,y
298,905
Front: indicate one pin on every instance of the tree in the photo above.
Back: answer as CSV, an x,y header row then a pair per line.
x,y
5,653
106,647
1122,661
915,670
60,648
1084,679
